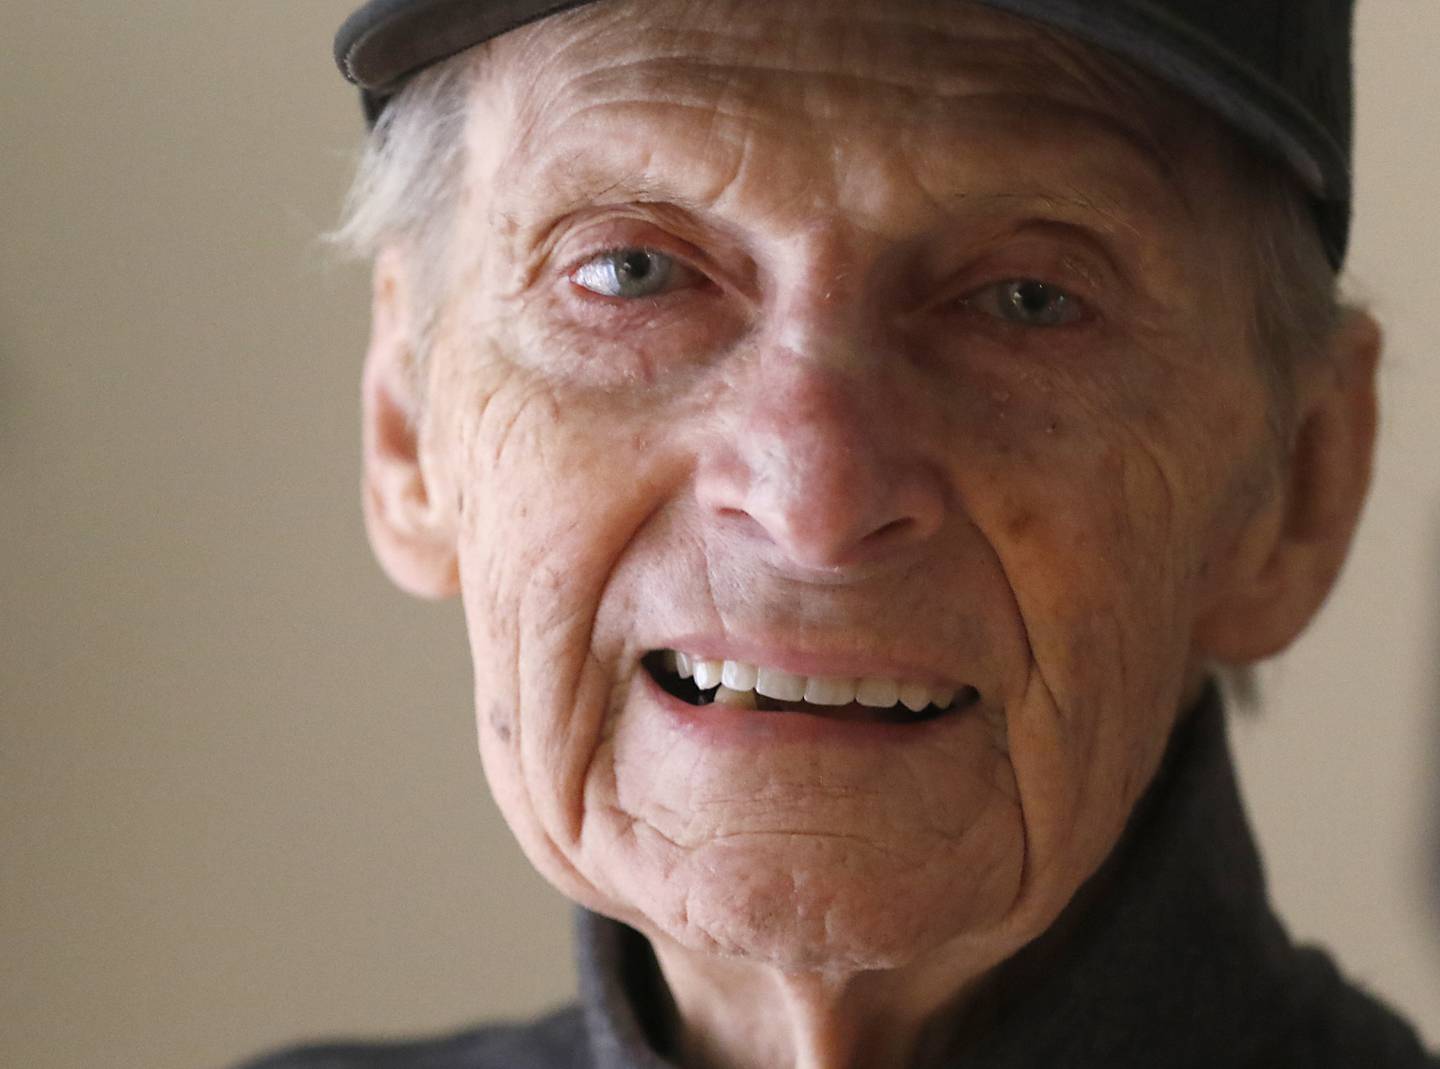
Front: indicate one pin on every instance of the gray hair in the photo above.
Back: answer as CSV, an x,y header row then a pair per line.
x,y
1297,300
407,188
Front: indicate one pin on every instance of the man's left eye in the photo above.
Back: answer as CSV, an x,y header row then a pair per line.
x,y
632,273
1027,302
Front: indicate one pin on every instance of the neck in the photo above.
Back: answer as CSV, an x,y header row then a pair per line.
x,y
1181,908
741,1015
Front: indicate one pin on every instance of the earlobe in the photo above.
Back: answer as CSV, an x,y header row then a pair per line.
x,y
411,532
1296,553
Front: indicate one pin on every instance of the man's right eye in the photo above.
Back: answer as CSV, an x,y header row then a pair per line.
x,y
633,273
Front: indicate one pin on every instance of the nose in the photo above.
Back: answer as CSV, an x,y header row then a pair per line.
x,y
814,464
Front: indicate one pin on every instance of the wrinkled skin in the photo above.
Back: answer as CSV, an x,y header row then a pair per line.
x,y
823,439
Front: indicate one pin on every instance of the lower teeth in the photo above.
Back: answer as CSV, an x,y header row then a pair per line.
x,y
738,699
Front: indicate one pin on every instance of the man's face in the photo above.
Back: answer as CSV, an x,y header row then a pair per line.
x,y
900,345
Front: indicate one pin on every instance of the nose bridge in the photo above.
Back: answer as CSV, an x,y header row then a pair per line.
x,y
810,407
821,468
822,315
807,431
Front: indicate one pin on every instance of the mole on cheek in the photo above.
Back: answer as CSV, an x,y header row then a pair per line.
x,y
1020,525
500,719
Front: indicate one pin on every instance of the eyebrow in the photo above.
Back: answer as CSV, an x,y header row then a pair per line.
x,y
592,175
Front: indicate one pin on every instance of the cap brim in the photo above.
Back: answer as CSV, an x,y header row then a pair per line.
x,y
386,42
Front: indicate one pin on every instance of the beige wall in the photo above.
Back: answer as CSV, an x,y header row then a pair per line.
x,y
237,788
1343,769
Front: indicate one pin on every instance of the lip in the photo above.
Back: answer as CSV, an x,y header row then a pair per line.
x,y
854,663
724,726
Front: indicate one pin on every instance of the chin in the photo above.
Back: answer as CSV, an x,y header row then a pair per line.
x,y
825,904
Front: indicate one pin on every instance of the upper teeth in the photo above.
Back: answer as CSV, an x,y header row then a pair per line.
x,y
739,677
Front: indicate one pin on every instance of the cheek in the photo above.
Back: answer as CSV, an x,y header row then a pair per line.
x,y
1101,505
1102,483
1103,593
550,486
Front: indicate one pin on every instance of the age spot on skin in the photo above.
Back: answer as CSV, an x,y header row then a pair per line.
x,y
500,720
1019,524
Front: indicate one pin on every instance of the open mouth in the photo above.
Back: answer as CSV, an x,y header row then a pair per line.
x,y
701,682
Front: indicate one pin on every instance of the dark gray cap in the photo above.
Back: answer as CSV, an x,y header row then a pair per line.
x,y
1277,71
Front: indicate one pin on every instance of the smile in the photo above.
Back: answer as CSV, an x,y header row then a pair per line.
x,y
740,685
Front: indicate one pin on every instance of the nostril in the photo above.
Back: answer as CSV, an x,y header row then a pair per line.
x,y
890,531
741,521
825,500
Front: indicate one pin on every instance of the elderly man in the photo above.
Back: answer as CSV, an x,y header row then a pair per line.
x,y
859,432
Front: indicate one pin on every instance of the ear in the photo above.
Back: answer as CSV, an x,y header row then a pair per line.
x,y
1291,558
410,533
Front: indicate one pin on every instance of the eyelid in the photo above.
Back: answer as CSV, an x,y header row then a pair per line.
x,y
613,234
1075,276
1057,253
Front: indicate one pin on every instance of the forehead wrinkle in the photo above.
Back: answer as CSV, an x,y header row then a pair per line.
x,y
804,35
930,74
580,162
1082,164
934,48
569,173
580,133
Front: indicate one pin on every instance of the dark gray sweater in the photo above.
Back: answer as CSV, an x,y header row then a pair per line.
x,y
1170,958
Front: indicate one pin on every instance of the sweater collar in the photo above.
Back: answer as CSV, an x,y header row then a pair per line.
x,y
1169,956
